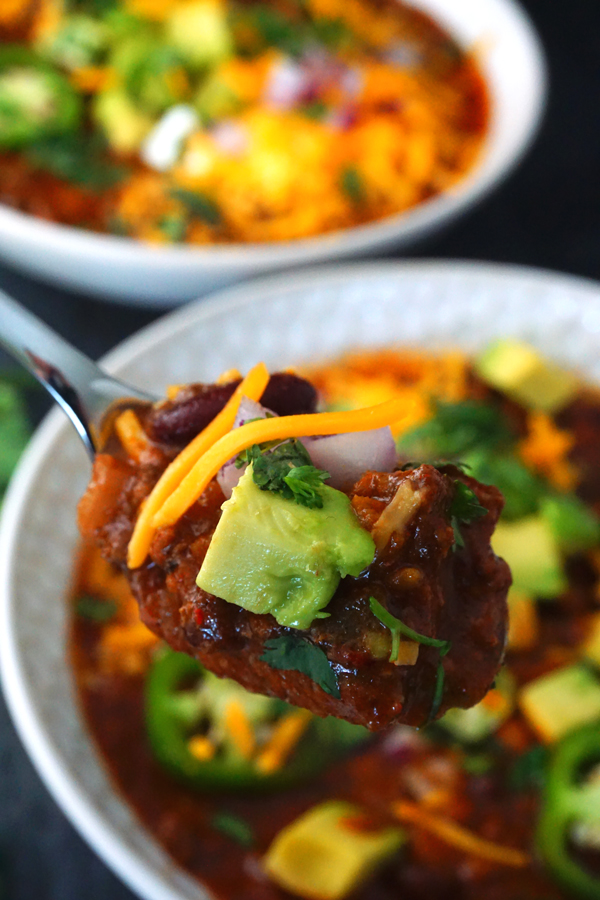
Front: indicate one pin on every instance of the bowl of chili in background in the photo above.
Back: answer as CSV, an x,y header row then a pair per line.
x,y
428,307
152,265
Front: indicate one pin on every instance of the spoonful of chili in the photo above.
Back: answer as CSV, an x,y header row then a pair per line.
x,y
379,600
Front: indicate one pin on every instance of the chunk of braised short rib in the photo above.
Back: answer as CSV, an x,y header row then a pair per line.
x,y
456,594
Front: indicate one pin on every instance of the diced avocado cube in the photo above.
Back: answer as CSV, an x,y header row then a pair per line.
x,y
151,72
124,126
480,721
575,526
271,555
216,100
522,373
199,31
591,647
530,549
562,700
325,855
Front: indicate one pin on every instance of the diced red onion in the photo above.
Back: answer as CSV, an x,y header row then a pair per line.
x,y
343,118
352,82
287,84
250,409
402,743
404,55
229,475
348,456
231,137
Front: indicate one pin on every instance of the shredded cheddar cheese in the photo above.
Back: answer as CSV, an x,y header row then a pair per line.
x,y
408,653
252,387
239,728
284,738
201,748
281,428
459,837
131,434
545,449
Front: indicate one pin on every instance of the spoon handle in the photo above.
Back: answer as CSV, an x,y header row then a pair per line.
x,y
74,381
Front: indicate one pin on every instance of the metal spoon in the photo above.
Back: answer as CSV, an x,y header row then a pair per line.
x,y
89,396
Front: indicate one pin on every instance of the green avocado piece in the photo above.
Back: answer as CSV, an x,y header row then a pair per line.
x,y
531,550
124,126
575,526
271,555
522,373
561,700
200,32
147,68
215,99
325,854
469,726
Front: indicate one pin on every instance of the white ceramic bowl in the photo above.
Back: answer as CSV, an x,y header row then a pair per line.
x,y
121,269
284,321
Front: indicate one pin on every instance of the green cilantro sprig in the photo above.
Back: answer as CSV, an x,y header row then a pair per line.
x,y
456,429
234,827
286,469
292,652
96,610
398,628
465,508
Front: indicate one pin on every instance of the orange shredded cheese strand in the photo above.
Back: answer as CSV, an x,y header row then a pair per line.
x,y
172,391
252,387
264,430
240,729
286,735
408,653
131,434
459,837
201,748
546,449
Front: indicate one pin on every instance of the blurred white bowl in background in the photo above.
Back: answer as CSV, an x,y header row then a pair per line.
x,y
115,268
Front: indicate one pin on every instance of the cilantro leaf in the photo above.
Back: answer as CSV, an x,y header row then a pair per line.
x,y
292,652
397,627
522,489
304,482
317,110
78,159
457,428
174,227
199,206
14,430
439,464
528,772
465,508
438,691
465,505
286,469
352,184
234,827
95,610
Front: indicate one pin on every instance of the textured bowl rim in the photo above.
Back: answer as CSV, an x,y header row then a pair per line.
x,y
431,213
18,692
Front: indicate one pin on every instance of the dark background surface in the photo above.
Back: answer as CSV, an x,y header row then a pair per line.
x,y
547,214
